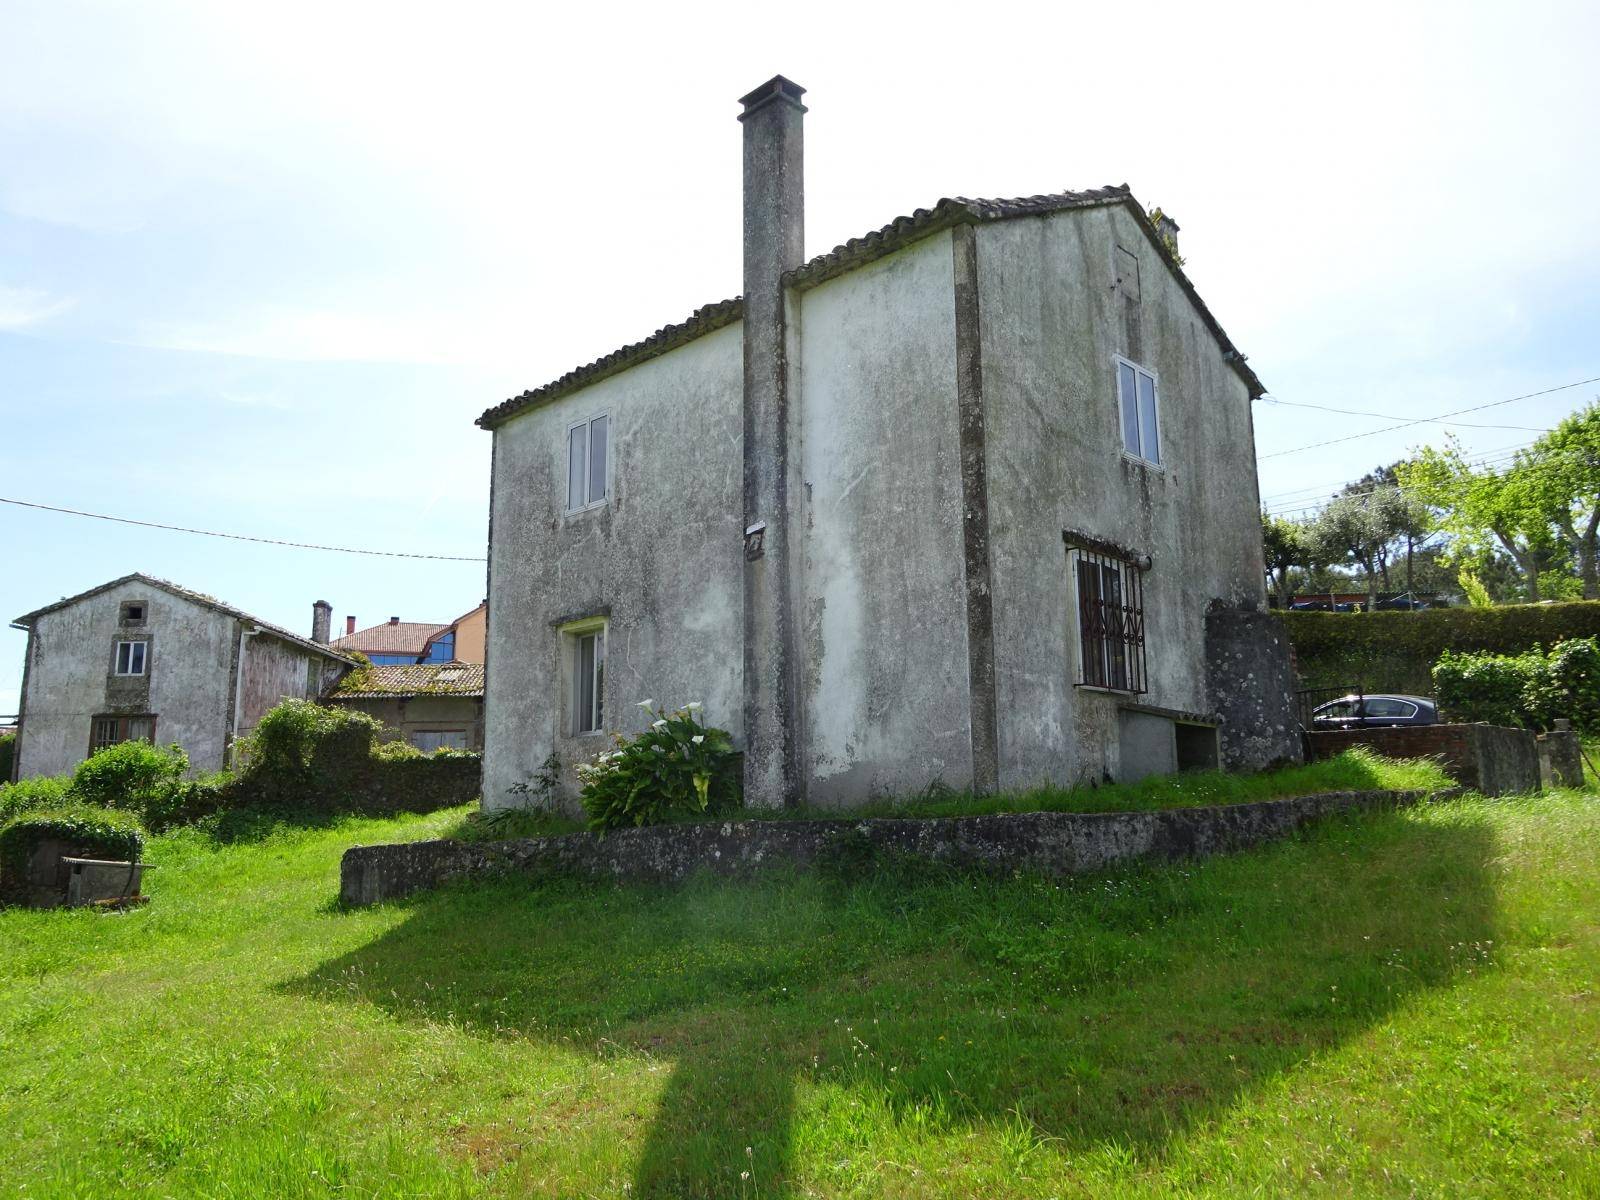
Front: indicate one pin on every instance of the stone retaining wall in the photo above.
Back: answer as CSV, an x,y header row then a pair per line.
x,y
1493,759
1050,843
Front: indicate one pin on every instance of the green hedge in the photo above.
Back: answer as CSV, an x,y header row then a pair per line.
x,y
1395,651
8,754
103,831
1532,690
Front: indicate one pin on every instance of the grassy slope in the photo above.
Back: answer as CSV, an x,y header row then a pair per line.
x,y
1398,1004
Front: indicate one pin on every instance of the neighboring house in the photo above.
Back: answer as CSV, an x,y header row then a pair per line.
x,y
461,641
143,658
395,643
398,643
432,706
969,500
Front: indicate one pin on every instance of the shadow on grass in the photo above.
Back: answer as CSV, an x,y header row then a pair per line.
x,y
1113,1010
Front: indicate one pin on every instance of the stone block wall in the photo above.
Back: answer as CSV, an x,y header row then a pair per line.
x,y
1492,759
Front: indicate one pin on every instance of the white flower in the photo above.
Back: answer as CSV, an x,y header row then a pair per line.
x,y
694,706
658,724
698,738
647,705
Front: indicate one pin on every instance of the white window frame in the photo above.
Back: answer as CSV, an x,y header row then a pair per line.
x,y
1136,453
587,425
144,658
572,639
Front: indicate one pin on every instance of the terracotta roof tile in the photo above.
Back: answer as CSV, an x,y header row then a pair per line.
x,y
404,637
435,679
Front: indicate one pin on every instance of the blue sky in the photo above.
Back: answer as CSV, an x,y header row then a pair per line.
x,y
260,267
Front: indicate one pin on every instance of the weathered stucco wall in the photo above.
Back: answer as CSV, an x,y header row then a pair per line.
x,y
1053,315
407,715
662,560
882,659
70,679
272,671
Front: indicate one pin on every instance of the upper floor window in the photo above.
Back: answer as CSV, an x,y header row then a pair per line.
x,y
131,658
587,474
132,613
1141,423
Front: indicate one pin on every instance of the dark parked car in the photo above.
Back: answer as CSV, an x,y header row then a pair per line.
x,y
1368,712
1320,606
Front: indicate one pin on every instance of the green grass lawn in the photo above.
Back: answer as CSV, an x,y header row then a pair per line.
x,y
1396,1004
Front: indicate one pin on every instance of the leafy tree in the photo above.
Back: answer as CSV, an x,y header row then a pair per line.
x,y
1484,510
1285,545
1562,472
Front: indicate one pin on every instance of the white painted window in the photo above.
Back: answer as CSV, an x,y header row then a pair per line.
x,y
588,474
588,680
1138,403
131,658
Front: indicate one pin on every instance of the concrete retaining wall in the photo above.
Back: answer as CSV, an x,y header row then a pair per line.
x,y
1050,843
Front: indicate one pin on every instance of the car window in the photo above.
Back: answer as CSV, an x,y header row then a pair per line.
x,y
1337,711
1385,706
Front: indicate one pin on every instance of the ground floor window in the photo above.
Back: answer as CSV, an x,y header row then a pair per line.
x,y
429,740
110,730
588,681
1110,622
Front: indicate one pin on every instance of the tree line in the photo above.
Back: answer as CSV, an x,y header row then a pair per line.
x,y
1436,521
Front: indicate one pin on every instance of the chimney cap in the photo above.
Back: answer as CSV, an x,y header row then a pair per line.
x,y
394,620
775,89
322,604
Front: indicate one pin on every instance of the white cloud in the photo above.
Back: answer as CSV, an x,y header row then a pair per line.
x,y
22,307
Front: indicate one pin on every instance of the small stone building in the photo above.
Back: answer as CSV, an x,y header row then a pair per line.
x,y
143,658
968,500
432,706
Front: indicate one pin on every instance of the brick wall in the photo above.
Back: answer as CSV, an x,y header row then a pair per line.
x,y
1492,759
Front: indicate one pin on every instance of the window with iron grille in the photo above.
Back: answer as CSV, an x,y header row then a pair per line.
x,y
1110,622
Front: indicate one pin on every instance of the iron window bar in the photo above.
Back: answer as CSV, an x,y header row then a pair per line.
x,y
1111,627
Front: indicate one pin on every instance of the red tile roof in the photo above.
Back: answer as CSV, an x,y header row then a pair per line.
x,y
402,637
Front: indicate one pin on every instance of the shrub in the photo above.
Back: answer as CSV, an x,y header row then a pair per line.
x,y
676,768
100,831
30,795
8,754
297,735
191,801
1531,689
131,775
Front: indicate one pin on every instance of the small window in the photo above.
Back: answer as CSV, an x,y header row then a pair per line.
x,y
111,731
588,681
587,474
429,740
1388,707
1110,623
1137,400
131,658
132,613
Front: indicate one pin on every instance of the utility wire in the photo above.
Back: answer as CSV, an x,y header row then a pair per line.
x,y
238,537
1425,420
1363,412
1316,489
1302,504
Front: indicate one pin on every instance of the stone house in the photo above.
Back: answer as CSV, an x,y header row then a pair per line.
x,y
971,499
143,658
431,705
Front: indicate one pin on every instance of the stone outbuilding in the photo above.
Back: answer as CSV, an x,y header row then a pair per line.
x,y
432,706
962,501
143,658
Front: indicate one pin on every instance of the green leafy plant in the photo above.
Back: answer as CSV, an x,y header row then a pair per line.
x,y
100,831
8,754
677,768
1532,689
132,775
30,795
1472,587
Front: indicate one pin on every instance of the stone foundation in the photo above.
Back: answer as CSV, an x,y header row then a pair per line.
x,y
1049,843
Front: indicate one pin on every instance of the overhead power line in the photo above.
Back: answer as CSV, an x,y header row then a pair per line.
x,y
1425,420
1365,412
238,537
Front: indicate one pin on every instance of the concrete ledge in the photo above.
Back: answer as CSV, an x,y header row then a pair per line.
x,y
1050,843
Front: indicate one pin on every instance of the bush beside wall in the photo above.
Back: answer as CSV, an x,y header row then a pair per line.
x,y
1395,651
82,829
